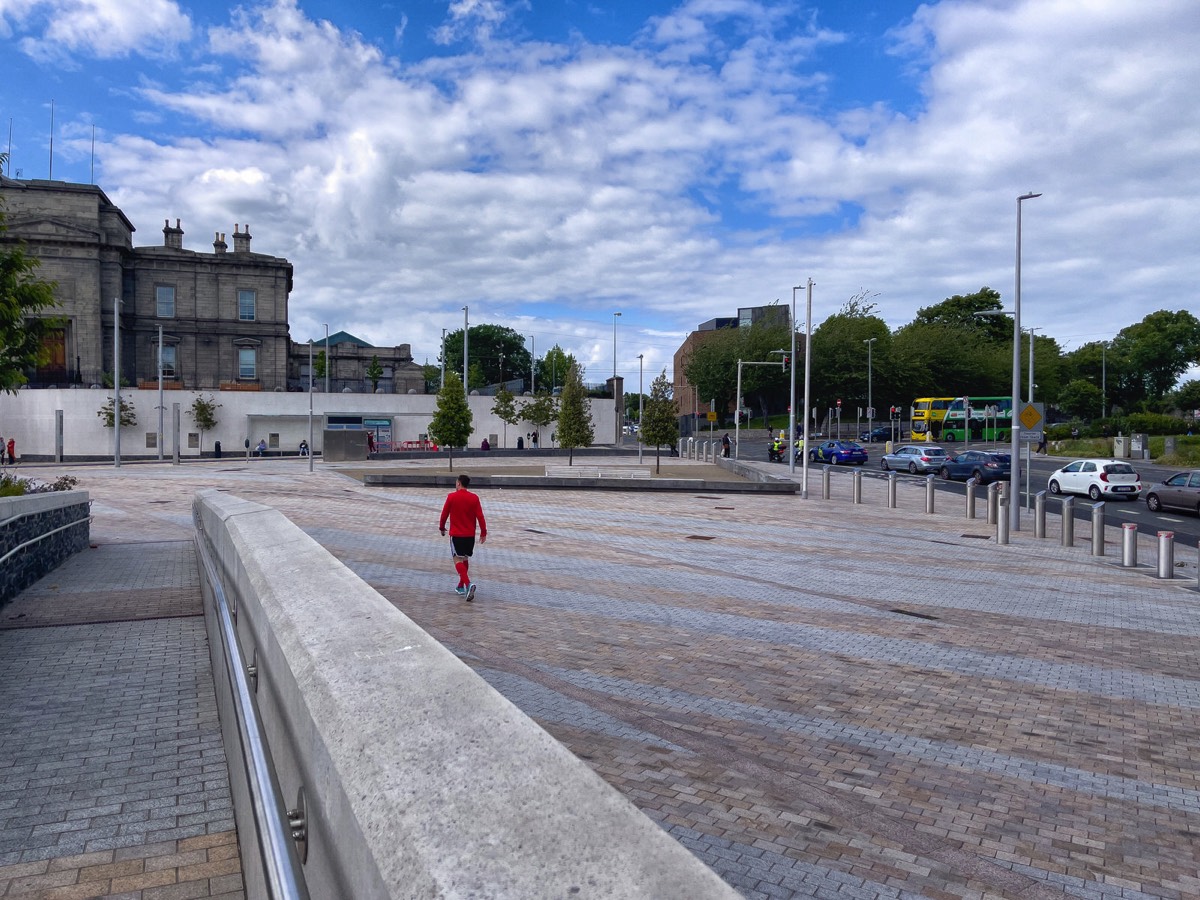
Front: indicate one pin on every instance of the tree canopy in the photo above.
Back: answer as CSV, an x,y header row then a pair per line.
x,y
452,422
659,423
496,354
574,414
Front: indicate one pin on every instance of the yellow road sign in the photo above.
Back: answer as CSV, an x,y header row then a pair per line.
x,y
712,417
1031,416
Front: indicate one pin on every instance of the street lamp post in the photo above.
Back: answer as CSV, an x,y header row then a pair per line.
x,y
792,395
1029,444
807,386
310,405
466,313
327,360
1014,502
443,354
620,413
870,398
640,407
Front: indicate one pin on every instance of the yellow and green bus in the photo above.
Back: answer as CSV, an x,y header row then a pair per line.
x,y
928,413
988,418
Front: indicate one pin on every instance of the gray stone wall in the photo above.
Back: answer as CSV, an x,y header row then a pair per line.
x,y
24,518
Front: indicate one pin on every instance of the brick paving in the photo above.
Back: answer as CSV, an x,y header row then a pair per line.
x,y
818,699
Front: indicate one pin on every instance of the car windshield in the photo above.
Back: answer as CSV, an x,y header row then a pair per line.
x,y
1119,469
935,451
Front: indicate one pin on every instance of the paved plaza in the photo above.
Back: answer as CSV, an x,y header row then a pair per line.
x,y
817,698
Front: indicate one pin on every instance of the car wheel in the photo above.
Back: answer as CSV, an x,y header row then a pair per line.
x,y
978,476
949,438
812,457
1094,493
883,464
833,460
945,473
1153,503
1054,487
912,468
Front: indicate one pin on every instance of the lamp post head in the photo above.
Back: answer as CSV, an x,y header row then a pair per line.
x,y
1027,197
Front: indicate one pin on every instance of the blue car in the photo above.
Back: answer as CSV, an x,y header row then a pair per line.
x,y
982,465
838,453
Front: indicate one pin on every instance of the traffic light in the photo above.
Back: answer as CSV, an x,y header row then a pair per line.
x,y
785,362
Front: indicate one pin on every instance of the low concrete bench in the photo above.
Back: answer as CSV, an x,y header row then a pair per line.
x,y
596,472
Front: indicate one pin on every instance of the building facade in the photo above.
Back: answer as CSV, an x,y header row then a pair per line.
x,y
348,364
222,315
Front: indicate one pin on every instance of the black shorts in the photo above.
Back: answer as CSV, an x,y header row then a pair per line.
x,y
462,546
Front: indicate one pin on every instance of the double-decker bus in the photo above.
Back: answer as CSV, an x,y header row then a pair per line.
x,y
989,419
928,413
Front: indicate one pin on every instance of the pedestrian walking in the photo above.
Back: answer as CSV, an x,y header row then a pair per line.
x,y
464,511
725,445
12,452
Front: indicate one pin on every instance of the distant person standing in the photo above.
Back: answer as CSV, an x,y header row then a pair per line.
x,y
12,452
725,444
464,511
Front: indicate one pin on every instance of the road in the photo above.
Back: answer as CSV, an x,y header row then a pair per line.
x,y
1117,512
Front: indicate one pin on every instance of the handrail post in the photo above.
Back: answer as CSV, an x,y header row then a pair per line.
x,y
1068,521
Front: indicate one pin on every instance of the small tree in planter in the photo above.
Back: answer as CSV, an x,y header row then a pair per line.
x,y
128,413
574,415
451,425
505,409
374,373
204,414
659,423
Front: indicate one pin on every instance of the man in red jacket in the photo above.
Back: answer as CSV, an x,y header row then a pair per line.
x,y
463,510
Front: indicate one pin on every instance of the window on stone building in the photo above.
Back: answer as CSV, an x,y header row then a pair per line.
x,y
164,294
168,361
246,363
246,305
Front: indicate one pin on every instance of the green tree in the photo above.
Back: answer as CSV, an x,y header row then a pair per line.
x,y
319,365
839,369
433,378
1153,354
575,427
961,309
712,366
1187,397
540,412
374,373
489,347
660,425
505,409
22,329
1080,399
553,367
451,425
204,414
128,413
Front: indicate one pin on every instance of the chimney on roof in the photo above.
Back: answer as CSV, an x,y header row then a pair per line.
x,y
219,245
241,239
172,237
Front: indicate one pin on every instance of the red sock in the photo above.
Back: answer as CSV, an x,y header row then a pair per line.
x,y
461,566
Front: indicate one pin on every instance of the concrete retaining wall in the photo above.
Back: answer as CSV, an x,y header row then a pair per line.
x,y
24,518
420,779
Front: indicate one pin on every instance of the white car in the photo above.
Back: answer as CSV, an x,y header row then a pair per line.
x,y
1098,478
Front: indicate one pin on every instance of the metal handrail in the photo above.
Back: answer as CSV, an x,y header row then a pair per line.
x,y
42,537
274,831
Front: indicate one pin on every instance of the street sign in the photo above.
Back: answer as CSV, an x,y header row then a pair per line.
x,y
870,412
712,416
1032,415
1031,437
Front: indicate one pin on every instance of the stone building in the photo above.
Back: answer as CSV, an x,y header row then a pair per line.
x,y
349,360
223,314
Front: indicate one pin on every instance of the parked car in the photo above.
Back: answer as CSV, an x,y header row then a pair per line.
x,y
1180,491
879,433
844,453
982,465
914,458
1098,478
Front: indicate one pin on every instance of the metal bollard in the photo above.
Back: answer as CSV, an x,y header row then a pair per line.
x,y
1098,529
825,470
1129,545
858,485
993,502
971,483
1166,554
929,493
1002,524
1068,521
1039,514
891,490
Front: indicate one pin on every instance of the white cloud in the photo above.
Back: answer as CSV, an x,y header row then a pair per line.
x,y
99,28
679,178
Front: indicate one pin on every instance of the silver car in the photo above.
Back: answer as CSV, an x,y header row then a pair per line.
x,y
1180,491
914,458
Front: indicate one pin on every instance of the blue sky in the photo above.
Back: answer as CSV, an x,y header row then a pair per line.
x,y
550,163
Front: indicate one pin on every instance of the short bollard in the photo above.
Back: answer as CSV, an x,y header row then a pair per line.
x,y
1166,554
1002,525
858,485
825,470
1098,529
929,493
891,490
1129,545
971,498
1068,521
993,502
1039,514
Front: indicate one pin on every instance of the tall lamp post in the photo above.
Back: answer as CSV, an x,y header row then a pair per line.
x,y
1014,502
792,395
466,391
327,360
807,385
620,412
310,405
639,437
442,386
870,397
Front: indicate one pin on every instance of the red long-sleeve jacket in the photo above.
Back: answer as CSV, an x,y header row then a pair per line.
x,y
463,509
